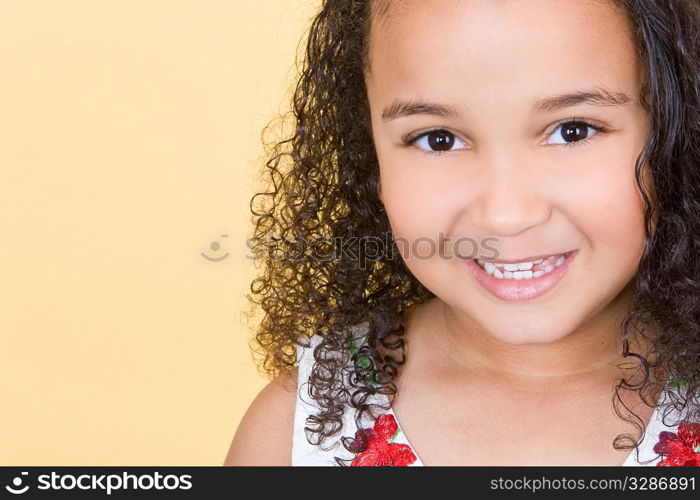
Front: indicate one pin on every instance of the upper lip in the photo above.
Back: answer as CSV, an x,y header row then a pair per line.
x,y
525,259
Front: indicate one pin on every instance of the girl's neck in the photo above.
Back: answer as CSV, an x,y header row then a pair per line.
x,y
592,354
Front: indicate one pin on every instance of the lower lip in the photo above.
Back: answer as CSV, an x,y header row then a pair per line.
x,y
519,290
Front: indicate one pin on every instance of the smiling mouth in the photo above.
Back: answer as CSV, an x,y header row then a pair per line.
x,y
526,269
521,284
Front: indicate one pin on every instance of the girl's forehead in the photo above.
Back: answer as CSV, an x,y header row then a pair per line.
x,y
445,42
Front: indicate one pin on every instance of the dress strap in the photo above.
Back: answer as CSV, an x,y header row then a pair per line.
x,y
303,452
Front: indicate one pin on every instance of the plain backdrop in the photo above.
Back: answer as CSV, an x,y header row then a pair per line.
x,y
130,134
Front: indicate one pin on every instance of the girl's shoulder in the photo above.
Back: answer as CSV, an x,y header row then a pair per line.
x,y
262,435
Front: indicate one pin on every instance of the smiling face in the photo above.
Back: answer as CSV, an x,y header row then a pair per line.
x,y
525,124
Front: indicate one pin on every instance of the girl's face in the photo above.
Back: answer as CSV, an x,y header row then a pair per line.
x,y
536,125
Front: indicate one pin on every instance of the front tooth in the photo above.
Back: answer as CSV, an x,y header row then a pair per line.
x,y
508,274
519,266
517,275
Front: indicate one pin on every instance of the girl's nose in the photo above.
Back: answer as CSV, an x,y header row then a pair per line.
x,y
508,202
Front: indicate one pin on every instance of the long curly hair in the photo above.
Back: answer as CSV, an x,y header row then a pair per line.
x,y
320,206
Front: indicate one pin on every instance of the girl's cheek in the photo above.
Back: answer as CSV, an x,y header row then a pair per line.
x,y
412,193
605,208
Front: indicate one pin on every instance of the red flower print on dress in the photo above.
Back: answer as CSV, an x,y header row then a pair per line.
x,y
682,449
380,449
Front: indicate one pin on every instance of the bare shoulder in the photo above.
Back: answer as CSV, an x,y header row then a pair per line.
x,y
264,436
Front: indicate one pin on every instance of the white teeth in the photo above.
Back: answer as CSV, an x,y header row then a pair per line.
x,y
518,270
517,266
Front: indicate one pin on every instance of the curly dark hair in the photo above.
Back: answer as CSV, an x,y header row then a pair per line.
x,y
323,181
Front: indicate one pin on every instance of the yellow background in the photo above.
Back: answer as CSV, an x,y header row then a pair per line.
x,y
130,135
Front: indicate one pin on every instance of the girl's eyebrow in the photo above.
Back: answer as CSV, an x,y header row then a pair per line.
x,y
407,107
598,96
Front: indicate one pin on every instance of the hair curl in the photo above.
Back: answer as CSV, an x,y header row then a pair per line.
x,y
323,181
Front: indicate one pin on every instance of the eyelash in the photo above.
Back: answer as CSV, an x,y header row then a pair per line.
x,y
410,140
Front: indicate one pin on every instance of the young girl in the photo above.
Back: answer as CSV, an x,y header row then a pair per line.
x,y
483,236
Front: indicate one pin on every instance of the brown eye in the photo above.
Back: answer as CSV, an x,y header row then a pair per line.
x,y
435,141
440,140
573,132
